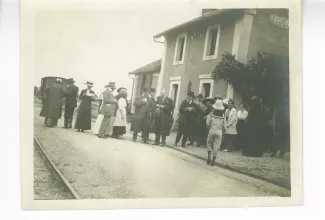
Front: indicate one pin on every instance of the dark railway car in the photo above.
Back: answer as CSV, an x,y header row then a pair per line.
x,y
46,82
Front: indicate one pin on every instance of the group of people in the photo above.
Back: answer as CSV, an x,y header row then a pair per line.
x,y
112,117
212,123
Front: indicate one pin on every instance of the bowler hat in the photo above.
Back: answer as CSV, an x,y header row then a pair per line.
x,y
70,80
120,89
190,94
200,96
110,84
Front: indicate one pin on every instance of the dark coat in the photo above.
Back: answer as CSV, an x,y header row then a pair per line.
x,y
254,133
83,120
188,119
163,116
142,111
52,102
71,93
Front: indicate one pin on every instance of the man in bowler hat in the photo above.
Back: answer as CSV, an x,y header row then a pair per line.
x,y
71,93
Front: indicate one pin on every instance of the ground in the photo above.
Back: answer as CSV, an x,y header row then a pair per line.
x,y
110,168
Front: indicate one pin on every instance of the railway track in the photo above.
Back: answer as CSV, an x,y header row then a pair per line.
x,y
49,183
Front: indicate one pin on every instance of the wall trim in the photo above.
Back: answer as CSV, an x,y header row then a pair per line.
x,y
212,57
161,75
171,83
175,62
206,76
175,78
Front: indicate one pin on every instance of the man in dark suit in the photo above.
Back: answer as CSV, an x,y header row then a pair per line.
x,y
187,122
108,109
71,93
143,106
164,107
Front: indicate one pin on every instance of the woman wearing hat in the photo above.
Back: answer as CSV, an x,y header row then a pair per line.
x,y
71,94
119,125
83,121
216,123
231,131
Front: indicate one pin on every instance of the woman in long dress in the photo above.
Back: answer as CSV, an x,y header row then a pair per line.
x,y
100,117
83,121
119,125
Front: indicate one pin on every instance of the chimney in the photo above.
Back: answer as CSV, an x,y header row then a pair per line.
x,y
208,10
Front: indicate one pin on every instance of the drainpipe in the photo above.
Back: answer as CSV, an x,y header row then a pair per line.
x,y
154,39
132,91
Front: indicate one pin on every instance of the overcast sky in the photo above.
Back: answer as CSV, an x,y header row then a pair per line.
x,y
103,46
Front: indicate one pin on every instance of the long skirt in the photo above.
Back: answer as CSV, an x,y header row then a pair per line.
x,y
51,122
227,143
240,137
98,123
83,120
119,130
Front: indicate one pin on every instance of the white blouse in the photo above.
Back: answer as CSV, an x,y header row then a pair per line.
x,y
242,115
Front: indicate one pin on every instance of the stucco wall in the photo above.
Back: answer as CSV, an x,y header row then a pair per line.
x,y
268,37
193,61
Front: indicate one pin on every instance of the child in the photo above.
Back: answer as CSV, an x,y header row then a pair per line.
x,y
216,123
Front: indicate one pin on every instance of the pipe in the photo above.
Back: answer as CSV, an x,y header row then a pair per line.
x,y
154,39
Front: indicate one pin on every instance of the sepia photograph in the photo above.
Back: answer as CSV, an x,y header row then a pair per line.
x,y
169,100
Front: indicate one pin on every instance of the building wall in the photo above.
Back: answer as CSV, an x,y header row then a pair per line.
x,y
193,61
267,37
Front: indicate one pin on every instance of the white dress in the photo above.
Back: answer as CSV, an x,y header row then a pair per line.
x,y
99,120
121,107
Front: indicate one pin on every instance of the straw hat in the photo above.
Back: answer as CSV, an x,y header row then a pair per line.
x,y
218,105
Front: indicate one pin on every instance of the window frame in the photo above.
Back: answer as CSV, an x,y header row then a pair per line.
x,y
181,35
206,78
211,57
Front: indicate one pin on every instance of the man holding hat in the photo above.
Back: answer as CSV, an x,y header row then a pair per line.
x,y
108,110
71,93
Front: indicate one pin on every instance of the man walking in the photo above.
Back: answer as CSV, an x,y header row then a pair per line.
x,y
163,118
143,106
108,109
71,93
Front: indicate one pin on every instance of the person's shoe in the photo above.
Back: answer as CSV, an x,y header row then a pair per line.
x,y
208,161
78,130
162,144
225,150
156,143
183,145
134,140
65,127
145,142
175,145
213,162
82,130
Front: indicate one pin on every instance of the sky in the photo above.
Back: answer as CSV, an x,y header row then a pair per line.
x,y
102,45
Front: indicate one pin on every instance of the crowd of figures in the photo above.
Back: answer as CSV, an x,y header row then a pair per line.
x,y
215,123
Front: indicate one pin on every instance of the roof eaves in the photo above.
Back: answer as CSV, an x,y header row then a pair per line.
x,y
195,20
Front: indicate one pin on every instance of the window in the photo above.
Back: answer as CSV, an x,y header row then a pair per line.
x,y
211,43
206,85
206,90
180,49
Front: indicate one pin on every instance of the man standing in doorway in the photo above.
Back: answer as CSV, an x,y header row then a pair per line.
x,y
71,93
108,109
163,118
